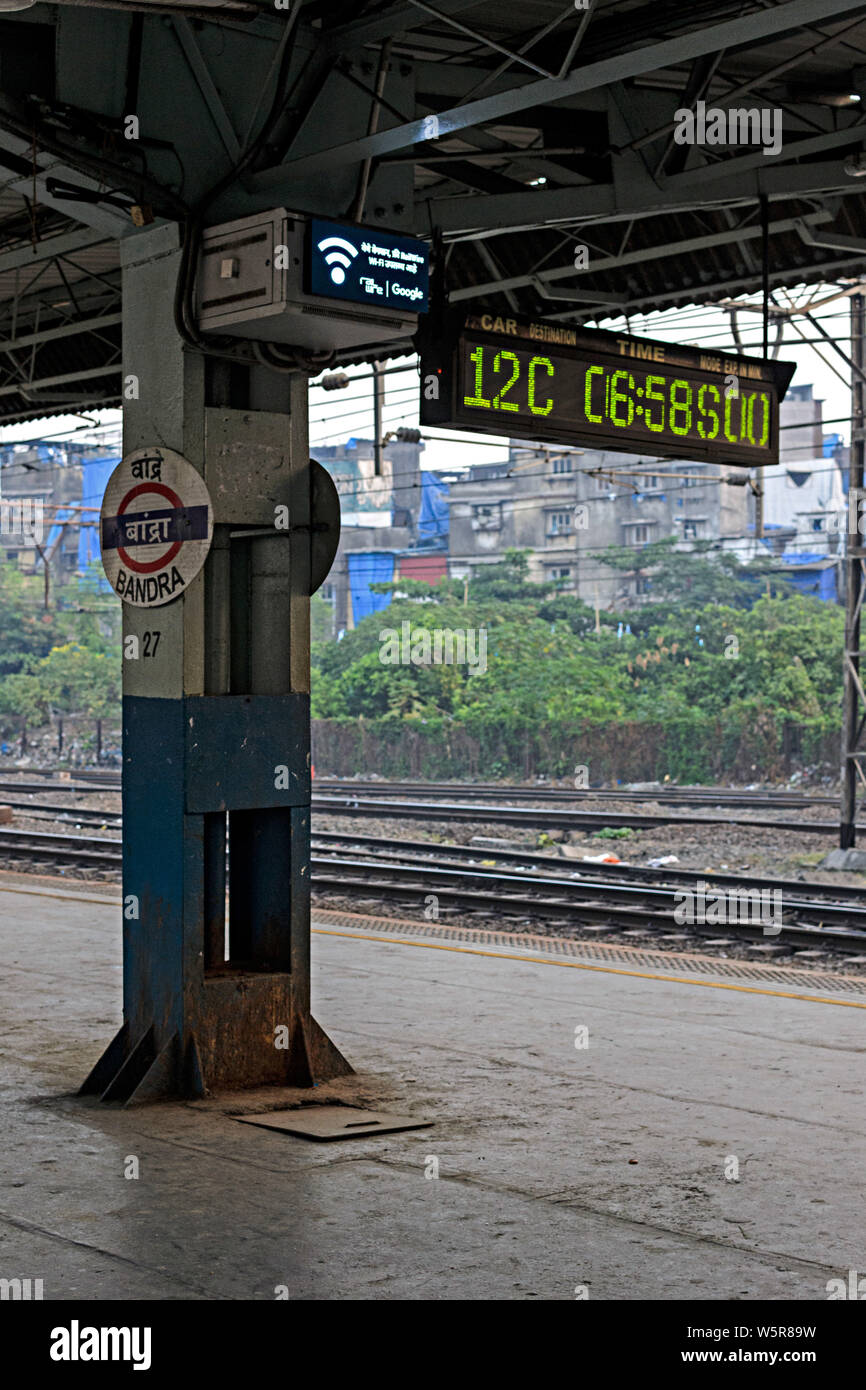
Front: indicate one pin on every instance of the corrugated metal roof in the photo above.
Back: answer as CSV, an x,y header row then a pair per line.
x,y
515,192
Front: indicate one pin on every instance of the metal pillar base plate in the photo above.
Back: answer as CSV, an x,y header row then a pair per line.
x,y
325,1123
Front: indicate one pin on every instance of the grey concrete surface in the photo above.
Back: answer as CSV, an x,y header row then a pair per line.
x,y
559,1167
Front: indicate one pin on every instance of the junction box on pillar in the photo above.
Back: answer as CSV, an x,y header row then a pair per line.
x,y
216,727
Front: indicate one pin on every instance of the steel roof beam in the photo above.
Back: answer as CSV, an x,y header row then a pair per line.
x,y
736,33
208,88
111,222
89,374
669,249
737,181
814,144
702,295
399,19
482,39
49,248
534,38
32,303
68,330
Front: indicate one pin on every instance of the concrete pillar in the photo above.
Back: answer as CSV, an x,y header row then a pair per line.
x,y
216,732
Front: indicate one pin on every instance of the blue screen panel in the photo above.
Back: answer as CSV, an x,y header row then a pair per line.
x,y
368,265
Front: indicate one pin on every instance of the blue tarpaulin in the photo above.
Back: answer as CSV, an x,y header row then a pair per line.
x,y
433,516
368,567
820,583
55,531
95,474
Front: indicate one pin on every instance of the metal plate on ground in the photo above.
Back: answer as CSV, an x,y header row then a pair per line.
x,y
326,1123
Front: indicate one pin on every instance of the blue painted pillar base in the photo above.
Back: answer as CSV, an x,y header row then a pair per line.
x,y
194,1026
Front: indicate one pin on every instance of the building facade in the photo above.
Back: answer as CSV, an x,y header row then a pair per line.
x,y
566,508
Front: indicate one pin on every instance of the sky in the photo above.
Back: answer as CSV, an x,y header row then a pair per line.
x,y
338,415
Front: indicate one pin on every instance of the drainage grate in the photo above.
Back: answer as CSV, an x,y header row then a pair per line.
x,y
671,962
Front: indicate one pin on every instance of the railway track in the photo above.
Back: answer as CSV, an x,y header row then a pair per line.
x,y
535,817
615,896
623,895
672,796
67,851
89,786
42,810
490,791
547,809
475,855
559,810
544,818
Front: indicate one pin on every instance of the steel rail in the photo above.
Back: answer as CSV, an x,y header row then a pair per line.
x,y
541,818
580,897
482,856
617,904
685,796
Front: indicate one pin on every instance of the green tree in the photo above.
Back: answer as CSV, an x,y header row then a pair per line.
x,y
29,631
23,695
78,680
321,619
691,579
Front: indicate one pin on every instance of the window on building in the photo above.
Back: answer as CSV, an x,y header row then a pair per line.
x,y
638,535
602,484
562,465
691,530
487,518
689,479
563,572
559,523
642,585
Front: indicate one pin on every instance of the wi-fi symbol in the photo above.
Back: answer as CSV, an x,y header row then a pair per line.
x,y
339,255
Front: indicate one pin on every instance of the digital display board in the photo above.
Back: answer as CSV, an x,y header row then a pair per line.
x,y
367,265
545,381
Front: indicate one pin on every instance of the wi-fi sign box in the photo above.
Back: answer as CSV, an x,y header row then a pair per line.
x,y
305,282
367,265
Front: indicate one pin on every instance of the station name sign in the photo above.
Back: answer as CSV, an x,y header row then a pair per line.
x,y
545,381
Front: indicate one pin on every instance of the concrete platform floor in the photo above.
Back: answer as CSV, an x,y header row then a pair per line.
x,y
561,1168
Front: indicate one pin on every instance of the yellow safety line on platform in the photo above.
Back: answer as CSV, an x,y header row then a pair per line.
x,y
59,897
598,969
502,955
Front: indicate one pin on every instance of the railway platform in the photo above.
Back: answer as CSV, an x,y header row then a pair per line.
x,y
610,1122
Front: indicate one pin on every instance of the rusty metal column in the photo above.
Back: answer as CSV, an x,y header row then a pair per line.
x,y
854,701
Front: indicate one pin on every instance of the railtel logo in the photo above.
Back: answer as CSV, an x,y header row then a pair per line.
x,y
77,1343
